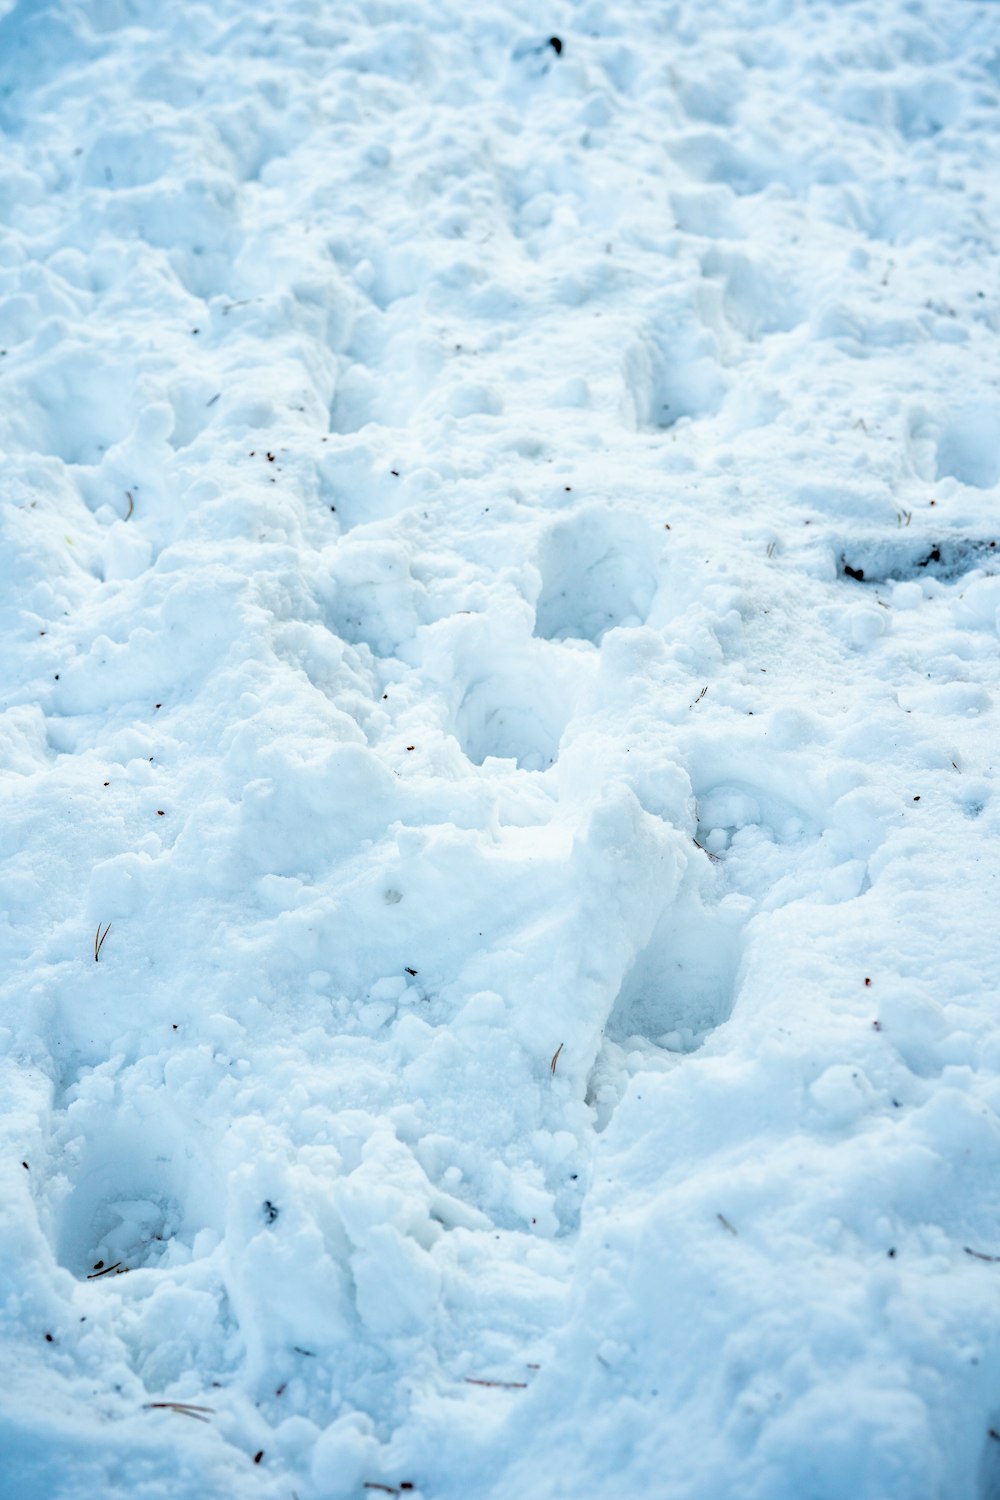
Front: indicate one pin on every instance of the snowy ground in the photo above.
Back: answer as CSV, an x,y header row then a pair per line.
x,y
499,610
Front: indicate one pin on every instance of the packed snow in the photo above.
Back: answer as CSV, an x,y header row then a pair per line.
x,y
498,718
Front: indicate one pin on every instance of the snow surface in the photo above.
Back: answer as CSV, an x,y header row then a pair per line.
x,y
500,607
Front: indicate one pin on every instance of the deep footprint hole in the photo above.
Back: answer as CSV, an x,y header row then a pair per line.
x,y
681,987
128,1205
515,718
597,574
116,1218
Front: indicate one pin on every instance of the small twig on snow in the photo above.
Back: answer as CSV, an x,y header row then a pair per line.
x,y
183,1409
500,1385
102,1270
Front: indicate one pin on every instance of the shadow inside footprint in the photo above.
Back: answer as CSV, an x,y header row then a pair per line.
x,y
969,445
596,573
113,1221
126,1206
682,985
512,718
673,370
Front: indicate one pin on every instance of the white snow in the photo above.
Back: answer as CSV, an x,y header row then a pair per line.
x,y
500,607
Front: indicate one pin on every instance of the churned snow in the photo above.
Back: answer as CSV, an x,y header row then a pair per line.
x,y
500,613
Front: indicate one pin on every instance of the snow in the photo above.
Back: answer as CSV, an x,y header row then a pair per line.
x,y
500,601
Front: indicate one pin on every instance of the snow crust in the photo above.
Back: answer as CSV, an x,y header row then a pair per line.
x,y
499,600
